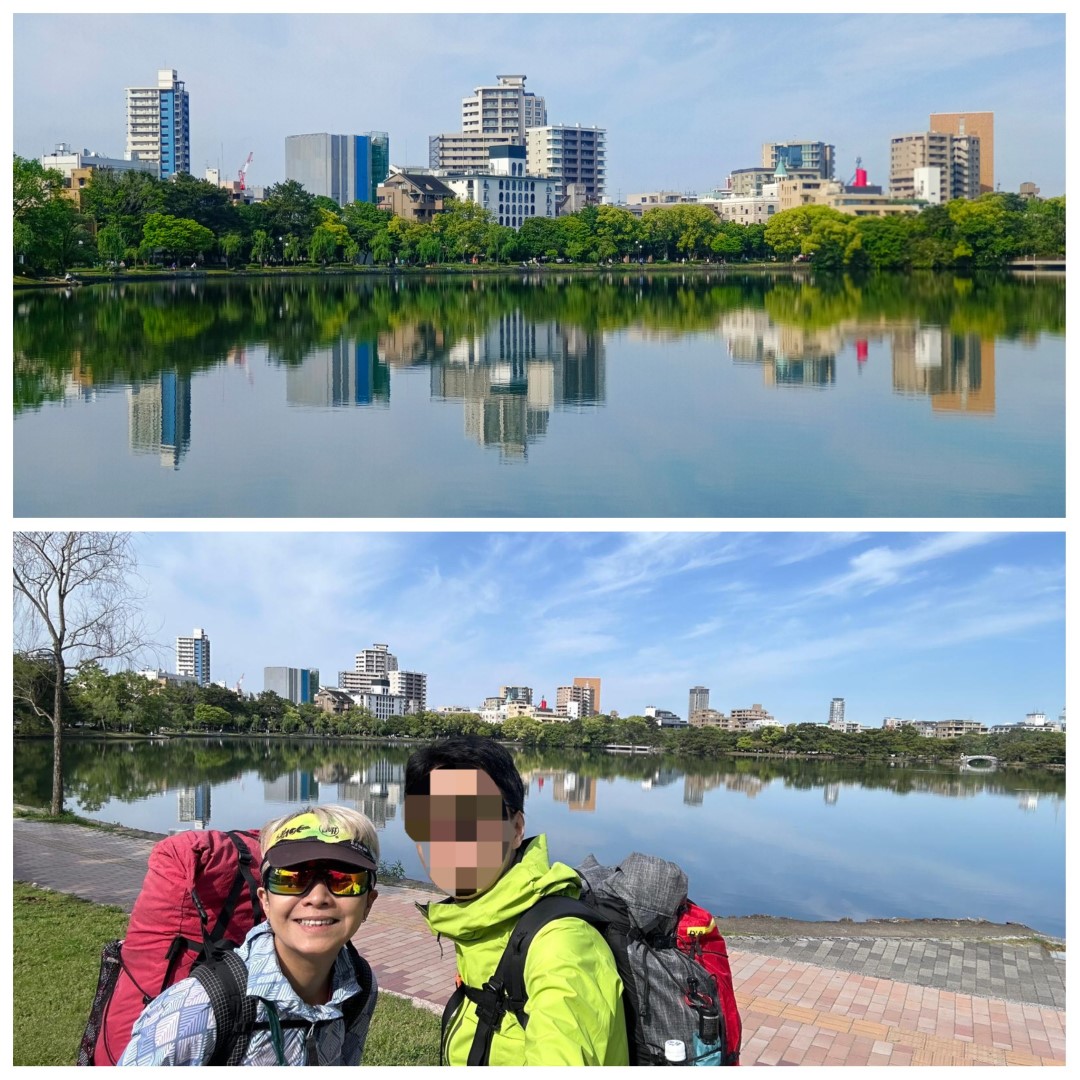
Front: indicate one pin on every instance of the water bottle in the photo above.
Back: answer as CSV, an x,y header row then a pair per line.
x,y
707,1047
674,1052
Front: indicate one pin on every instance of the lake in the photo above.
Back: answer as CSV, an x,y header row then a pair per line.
x,y
609,395
804,839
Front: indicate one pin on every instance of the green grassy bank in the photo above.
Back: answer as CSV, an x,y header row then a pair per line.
x,y
57,950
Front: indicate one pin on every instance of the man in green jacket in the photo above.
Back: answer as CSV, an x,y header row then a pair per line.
x,y
464,801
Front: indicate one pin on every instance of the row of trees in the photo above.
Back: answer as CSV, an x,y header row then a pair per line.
x,y
127,702
133,217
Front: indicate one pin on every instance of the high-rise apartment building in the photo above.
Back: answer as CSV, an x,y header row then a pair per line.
x,y
377,660
574,155
193,656
158,124
977,124
576,702
345,168
503,109
594,686
412,686
376,672
818,157
955,158
699,699
297,685
836,714
496,115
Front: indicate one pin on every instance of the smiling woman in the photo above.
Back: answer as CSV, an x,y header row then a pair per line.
x,y
313,993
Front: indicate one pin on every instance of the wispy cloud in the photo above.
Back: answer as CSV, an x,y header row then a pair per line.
x,y
887,566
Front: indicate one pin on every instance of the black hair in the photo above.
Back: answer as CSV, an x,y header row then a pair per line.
x,y
467,752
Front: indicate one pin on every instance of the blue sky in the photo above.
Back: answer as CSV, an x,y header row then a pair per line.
x,y
685,98
922,626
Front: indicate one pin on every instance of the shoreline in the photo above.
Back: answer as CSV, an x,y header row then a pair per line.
x,y
901,760
925,928
94,277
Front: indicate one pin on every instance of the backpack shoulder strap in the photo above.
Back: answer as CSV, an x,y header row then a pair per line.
x,y
224,978
357,1003
506,991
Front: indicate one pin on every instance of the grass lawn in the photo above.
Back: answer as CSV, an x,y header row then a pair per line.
x,y
57,952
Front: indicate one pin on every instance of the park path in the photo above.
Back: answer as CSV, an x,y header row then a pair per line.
x,y
804,1001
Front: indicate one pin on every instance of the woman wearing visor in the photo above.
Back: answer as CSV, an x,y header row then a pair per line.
x,y
314,995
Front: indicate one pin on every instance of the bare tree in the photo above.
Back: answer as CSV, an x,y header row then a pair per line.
x,y
75,601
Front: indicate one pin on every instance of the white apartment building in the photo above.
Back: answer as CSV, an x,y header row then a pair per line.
x,y
67,160
572,155
158,127
503,109
836,714
412,686
505,189
372,666
380,703
494,116
193,656
747,209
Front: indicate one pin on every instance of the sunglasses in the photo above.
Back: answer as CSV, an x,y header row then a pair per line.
x,y
300,880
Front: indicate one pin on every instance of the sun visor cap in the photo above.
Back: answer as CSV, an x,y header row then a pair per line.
x,y
303,839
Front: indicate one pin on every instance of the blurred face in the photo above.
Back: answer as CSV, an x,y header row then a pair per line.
x,y
314,927
463,838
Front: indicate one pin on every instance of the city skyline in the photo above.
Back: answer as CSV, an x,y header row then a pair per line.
x,y
920,626
254,80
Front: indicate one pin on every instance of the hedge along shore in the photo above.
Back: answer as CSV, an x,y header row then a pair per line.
x,y
876,993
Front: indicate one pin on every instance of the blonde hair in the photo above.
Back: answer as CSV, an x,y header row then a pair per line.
x,y
352,823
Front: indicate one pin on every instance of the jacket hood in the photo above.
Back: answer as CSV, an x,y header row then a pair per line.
x,y
529,878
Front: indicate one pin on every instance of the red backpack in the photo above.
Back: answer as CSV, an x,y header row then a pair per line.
x,y
698,937
199,894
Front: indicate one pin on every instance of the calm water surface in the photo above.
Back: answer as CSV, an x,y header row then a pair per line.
x,y
811,840
626,395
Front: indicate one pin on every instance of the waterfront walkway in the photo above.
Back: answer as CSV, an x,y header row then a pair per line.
x,y
836,1000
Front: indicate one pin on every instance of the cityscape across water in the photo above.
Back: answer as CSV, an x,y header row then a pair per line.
x,y
627,395
804,839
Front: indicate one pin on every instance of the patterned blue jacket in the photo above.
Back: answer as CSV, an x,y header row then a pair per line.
x,y
177,1028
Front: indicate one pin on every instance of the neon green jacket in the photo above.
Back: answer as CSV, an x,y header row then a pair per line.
x,y
575,994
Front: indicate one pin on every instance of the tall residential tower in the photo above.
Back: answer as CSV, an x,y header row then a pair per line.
x,y
158,127
193,656
964,125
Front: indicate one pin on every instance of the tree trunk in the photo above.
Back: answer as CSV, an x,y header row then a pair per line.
x,y
56,807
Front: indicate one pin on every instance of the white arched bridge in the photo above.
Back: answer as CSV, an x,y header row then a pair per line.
x,y
984,762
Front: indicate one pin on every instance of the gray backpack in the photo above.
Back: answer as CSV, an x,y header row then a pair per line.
x,y
676,983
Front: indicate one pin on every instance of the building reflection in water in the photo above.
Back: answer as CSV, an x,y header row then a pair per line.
x,y
193,805
347,372
955,370
376,790
159,417
789,355
513,375
295,786
575,789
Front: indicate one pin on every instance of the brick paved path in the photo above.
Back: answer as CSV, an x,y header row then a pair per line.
x,y
871,1001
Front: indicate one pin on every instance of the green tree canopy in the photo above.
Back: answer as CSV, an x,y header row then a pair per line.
x,y
179,238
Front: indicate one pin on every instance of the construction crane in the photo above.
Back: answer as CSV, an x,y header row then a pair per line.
x,y
240,681
243,170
